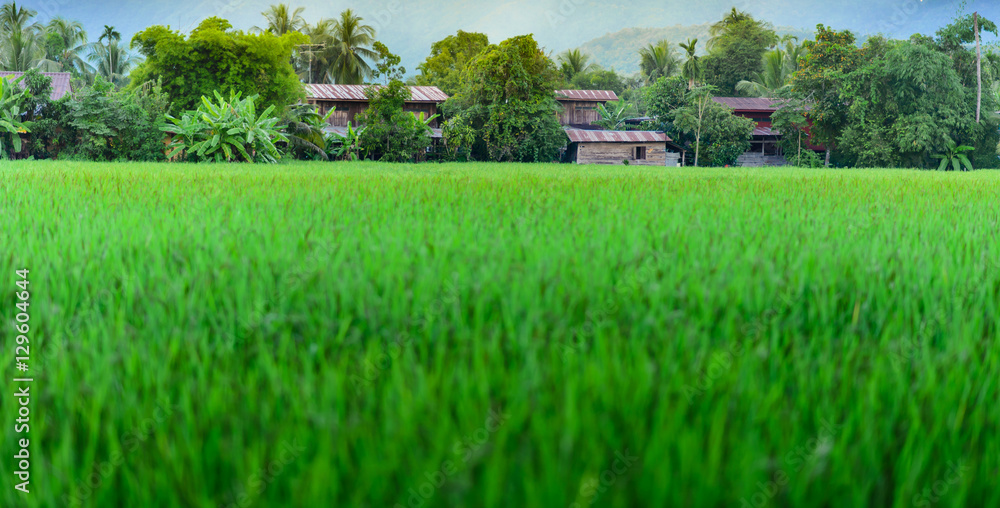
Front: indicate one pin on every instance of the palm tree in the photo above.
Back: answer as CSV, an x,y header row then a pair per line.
x,y
74,42
113,37
793,52
719,28
351,47
113,61
282,20
772,80
22,44
658,61
320,55
692,66
574,62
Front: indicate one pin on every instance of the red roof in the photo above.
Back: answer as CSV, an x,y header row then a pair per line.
x,y
585,136
61,84
586,95
357,93
749,103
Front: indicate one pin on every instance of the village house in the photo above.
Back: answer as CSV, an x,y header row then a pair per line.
x,y
588,144
350,101
62,82
764,148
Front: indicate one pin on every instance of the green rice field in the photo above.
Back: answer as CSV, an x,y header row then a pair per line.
x,y
481,335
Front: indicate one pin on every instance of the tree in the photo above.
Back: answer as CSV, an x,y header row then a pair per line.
x,y
65,43
22,46
737,51
772,80
573,63
831,56
449,58
216,58
508,96
727,135
954,156
391,133
599,80
113,37
350,50
226,131
113,61
282,20
313,64
387,64
658,61
692,65
723,27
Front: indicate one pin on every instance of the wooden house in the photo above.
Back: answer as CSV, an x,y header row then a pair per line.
x,y
580,106
764,149
643,148
350,101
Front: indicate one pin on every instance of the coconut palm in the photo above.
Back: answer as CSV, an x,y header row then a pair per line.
x,y
772,80
21,47
692,65
113,61
351,50
282,20
719,28
314,63
67,56
658,61
574,62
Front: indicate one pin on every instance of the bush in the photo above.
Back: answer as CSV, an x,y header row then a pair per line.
x,y
225,131
391,133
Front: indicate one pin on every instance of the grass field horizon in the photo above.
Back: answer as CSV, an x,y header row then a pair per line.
x,y
372,335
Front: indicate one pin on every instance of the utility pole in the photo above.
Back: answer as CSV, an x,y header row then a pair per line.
x,y
311,49
979,65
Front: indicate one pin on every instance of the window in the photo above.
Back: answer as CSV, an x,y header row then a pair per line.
x,y
640,153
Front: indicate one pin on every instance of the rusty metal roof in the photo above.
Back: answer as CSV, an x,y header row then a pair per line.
x,y
585,136
750,103
342,131
357,93
586,95
61,82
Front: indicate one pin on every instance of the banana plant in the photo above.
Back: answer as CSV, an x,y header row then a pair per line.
x,y
954,155
11,125
226,131
350,143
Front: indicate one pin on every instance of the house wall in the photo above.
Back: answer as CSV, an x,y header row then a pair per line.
x,y
579,112
615,153
348,110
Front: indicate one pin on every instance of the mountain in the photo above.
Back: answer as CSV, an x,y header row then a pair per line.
x,y
620,50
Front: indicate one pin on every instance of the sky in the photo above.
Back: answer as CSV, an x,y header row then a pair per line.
x,y
409,27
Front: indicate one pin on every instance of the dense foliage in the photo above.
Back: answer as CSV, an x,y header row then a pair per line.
x,y
226,131
508,97
737,52
391,133
449,59
216,57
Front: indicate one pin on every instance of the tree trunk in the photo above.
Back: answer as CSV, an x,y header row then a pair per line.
x,y
799,160
697,147
827,157
979,66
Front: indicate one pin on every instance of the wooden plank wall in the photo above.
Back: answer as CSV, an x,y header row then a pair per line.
x,y
578,113
615,153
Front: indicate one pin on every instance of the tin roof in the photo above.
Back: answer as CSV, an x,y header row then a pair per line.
x,y
586,95
585,136
357,93
61,82
750,103
765,131
342,131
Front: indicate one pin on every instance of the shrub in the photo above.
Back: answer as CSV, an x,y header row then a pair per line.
x,y
229,131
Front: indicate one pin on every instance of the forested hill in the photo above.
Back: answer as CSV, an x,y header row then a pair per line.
x,y
619,50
